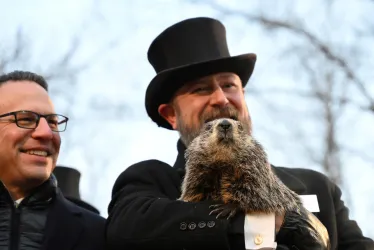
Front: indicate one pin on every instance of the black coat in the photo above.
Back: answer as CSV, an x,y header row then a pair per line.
x,y
144,212
46,220
70,227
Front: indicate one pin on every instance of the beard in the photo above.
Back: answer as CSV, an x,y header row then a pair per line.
x,y
188,132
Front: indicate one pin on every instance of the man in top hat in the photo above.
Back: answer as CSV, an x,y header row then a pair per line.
x,y
34,214
68,182
197,80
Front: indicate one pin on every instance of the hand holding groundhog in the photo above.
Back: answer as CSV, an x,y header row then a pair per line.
x,y
225,164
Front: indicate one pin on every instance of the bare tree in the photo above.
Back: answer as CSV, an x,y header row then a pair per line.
x,y
329,74
62,75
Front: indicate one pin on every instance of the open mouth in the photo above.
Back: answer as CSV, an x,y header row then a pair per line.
x,y
43,153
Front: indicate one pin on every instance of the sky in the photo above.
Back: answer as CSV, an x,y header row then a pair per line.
x,y
109,129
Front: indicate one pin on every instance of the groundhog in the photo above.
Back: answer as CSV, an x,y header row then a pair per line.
x,y
225,164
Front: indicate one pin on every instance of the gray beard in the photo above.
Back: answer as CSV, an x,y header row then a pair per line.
x,y
188,133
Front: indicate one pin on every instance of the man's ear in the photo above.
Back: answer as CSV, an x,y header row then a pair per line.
x,y
167,111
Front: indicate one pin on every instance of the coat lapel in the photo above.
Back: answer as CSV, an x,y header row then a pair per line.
x,y
291,181
64,225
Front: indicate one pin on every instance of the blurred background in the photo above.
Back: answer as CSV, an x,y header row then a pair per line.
x,y
311,96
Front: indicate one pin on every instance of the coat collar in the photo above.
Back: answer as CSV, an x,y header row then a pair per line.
x,y
64,225
284,174
291,181
39,196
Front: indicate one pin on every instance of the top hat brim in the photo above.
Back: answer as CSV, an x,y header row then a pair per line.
x,y
164,85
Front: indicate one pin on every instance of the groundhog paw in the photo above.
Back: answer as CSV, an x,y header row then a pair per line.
x,y
224,210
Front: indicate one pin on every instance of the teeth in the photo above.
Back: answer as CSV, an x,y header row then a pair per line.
x,y
37,152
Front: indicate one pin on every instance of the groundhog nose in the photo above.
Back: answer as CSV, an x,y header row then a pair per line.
x,y
225,125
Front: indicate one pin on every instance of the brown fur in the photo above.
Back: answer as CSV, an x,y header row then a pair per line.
x,y
230,167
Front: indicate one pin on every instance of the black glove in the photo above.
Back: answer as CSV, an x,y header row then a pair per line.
x,y
301,230
282,247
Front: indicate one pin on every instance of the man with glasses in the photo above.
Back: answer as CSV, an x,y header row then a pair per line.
x,y
33,212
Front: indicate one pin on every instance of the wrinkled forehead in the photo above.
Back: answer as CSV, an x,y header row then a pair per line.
x,y
24,95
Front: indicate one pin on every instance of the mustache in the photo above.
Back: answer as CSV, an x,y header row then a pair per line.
x,y
226,112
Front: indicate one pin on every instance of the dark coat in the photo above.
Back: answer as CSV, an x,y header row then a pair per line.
x,y
144,212
70,227
46,220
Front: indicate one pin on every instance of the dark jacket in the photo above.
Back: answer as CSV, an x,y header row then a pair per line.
x,y
144,212
46,220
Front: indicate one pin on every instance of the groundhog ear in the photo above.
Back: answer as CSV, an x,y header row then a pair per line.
x,y
167,112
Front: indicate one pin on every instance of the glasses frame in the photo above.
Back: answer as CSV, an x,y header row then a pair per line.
x,y
14,113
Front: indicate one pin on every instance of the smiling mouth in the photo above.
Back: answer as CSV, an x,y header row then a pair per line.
x,y
36,152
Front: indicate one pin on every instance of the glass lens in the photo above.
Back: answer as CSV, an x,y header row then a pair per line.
x,y
26,119
57,122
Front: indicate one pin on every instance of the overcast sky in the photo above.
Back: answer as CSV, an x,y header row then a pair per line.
x,y
105,145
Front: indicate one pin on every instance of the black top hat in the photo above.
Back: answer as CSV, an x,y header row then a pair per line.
x,y
186,51
68,182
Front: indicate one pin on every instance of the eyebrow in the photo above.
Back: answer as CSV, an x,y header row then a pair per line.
x,y
191,84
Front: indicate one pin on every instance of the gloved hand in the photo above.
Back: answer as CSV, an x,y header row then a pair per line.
x,y
282,247
301,230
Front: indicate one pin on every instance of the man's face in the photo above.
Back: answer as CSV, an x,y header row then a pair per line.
x,y
214,96
18,163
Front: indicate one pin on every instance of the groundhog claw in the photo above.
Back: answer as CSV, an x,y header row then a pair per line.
x,y
224,210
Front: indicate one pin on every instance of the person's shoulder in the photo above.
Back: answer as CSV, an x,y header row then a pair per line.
x,y
151,168
306,175
85,212
148,165
90,216
314,181
301,171
93,224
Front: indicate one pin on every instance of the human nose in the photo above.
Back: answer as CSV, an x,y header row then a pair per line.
x,y
42,130
218,98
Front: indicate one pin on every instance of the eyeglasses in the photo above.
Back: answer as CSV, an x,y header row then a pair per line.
x,y
30,120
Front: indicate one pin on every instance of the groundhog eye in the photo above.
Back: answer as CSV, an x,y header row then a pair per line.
x,y
208,126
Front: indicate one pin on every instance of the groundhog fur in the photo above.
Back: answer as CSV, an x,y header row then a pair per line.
x,y
224,163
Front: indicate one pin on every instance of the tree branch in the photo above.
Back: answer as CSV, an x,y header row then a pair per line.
x,y
302,31
15,54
